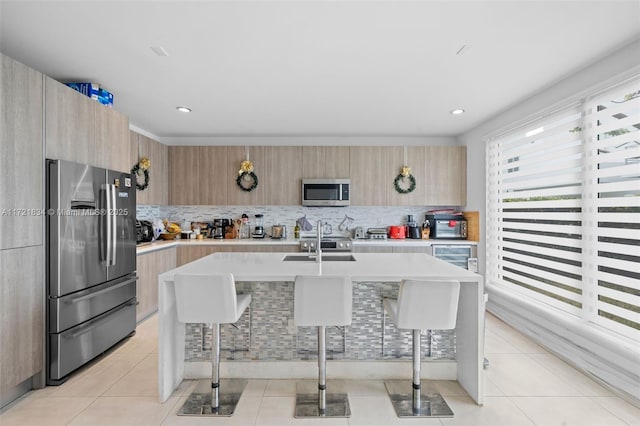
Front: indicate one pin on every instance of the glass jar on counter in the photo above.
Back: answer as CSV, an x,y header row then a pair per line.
x,y
245,228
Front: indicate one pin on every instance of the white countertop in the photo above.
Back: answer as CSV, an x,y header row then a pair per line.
x,y
161,244
367,267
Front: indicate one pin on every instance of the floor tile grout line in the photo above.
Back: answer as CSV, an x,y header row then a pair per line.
x,y
82,411
510,398
595,399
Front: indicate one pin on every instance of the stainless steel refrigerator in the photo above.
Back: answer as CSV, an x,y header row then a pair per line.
x,y
91,264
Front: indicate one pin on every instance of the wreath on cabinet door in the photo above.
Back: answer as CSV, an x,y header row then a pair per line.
x,y
247,179
142,167
404,175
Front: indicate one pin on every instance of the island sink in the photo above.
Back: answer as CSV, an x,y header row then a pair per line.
x,y
325,258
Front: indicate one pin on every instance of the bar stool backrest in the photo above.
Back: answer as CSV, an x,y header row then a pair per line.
x,y
428,305
322,300
206,298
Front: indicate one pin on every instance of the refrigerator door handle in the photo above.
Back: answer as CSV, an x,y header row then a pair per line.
x,y
105,216
114,227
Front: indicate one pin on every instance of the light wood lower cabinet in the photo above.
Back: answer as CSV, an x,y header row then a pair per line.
x,y
21,315
424,250
390,249
149,266
189,254
372,249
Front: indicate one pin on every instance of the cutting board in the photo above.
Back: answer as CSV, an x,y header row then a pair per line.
x,y
473,224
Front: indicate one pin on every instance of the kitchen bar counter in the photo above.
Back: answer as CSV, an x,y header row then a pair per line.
x,y
161,244
368,268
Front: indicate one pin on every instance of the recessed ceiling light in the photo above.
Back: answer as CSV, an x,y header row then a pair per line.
x,y
456,111
183,109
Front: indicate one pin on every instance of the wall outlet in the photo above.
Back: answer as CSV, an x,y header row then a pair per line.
x,y
472,264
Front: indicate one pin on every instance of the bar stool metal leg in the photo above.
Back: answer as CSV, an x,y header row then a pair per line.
x,y
215,367
322,369
416,371
414,403
207,399
323,404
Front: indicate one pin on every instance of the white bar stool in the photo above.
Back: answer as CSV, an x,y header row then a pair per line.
x,y
421,305
211,298
322,301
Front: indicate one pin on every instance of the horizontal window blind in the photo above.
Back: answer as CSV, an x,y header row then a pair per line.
x,y
535,188
563,211
613,143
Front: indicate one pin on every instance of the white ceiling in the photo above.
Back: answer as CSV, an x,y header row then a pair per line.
x,y
314,68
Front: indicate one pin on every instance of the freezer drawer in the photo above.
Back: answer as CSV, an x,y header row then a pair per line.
x,y
73,348
73,309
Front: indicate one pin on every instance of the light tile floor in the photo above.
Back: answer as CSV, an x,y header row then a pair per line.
x,y
525,385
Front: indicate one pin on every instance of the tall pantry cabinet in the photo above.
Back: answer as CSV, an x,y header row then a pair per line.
x,y
21,227
40,118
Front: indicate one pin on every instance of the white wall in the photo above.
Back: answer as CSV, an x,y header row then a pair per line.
x,y
626,60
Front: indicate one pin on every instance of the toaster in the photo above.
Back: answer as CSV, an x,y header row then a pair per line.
x,y
397,232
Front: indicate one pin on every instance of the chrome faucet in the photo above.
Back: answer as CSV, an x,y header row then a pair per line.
x,y
319,241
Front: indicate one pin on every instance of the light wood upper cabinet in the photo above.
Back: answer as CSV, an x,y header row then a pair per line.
x,y
214,174
325,162
111,138
184,185
21,162
368,171
283,175
235,195
446,169
157,193
80,129
207,175
415,160
69,124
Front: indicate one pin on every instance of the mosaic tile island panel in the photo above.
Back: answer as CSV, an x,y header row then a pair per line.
x,y
266,331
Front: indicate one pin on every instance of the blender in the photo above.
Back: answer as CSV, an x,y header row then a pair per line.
x,y
413,230
258,230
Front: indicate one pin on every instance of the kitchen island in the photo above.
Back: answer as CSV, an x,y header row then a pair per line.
x,y
270,270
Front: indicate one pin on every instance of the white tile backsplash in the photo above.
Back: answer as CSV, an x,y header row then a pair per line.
x,y
364,216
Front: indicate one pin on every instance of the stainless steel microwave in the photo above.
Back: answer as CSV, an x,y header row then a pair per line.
x,y
325,192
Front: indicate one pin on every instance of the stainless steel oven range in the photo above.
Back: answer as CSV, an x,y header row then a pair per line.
x,y
339,244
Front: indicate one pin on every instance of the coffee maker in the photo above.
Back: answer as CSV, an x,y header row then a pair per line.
x,y
258,230
218,228
413,230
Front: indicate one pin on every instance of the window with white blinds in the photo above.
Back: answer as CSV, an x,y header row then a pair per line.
x,y
563,222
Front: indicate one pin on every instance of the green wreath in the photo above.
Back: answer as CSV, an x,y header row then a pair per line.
x,y
134,172
244,176
400,177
